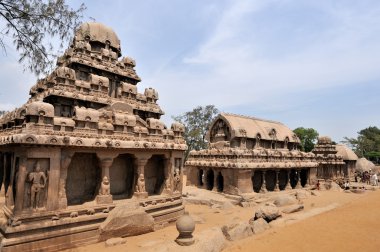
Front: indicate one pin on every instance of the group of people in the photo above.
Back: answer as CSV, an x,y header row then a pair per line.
x,y
367,177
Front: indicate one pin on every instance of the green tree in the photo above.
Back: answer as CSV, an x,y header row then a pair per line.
x,y
32,25
367,143
197,123
308,138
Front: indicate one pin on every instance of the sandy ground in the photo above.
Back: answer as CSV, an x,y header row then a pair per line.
x,y
354,226
332,221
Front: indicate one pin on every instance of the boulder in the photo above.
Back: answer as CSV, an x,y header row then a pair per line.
x,y
285,200
268,213
126,220
237,231
302,194
293,209
115,241
259,225
209,240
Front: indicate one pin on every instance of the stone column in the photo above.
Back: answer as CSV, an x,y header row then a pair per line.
x,y
215,188
20,185
104,196
65,162
140,191
277,187
298,185
264,184
53,180
168,187
288,184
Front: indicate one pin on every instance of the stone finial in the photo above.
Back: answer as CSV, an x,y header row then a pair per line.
x,y
185,226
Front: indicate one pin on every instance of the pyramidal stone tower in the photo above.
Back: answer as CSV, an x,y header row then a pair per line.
x,y
84,143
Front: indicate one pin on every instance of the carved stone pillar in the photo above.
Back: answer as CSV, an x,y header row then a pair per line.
x,y
298,185
168,186
104,196
277,186
264,184
215,188
288,185
65,162
140,191
20,185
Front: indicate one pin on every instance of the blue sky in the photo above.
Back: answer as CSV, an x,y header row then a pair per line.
x,y
304,63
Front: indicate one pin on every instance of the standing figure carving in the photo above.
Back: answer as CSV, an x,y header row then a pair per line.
x,y
105,186
140,187
38,180
177,181
167,184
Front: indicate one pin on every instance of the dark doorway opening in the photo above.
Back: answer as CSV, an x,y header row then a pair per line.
x,y
154,174
270,180
83,178
220,182
257,181
122,176
283,179
304,175
293,178
210,179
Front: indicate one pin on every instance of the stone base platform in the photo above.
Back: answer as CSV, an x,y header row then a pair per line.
x,y
55,231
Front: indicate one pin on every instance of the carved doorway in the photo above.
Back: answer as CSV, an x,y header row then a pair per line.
x,y
282,179
270,180
220,182
304,177
83,178
210,180
257,181
122,177
293,178
154,174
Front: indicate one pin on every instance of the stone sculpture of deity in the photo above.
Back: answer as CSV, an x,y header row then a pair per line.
x,y
105,186
140,187
176,181
38,180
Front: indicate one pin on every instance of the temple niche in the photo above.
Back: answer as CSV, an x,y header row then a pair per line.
x,y
85,142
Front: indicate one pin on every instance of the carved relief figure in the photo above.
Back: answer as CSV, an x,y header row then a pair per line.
x,y
177,181
38,180
105,186
167,184
140,187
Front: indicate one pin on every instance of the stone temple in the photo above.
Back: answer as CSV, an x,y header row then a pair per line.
x,y
248,154
84,143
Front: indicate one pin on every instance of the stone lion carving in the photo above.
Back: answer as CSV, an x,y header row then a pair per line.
x,y
105,186
140,187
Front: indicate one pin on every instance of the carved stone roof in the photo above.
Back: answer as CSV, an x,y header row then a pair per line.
x,y
346,152
91,100
98,32
250,127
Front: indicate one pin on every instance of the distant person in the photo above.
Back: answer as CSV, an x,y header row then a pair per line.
x,y
318,184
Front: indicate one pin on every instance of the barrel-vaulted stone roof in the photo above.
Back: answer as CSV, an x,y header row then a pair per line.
x,y
250,127
346,152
